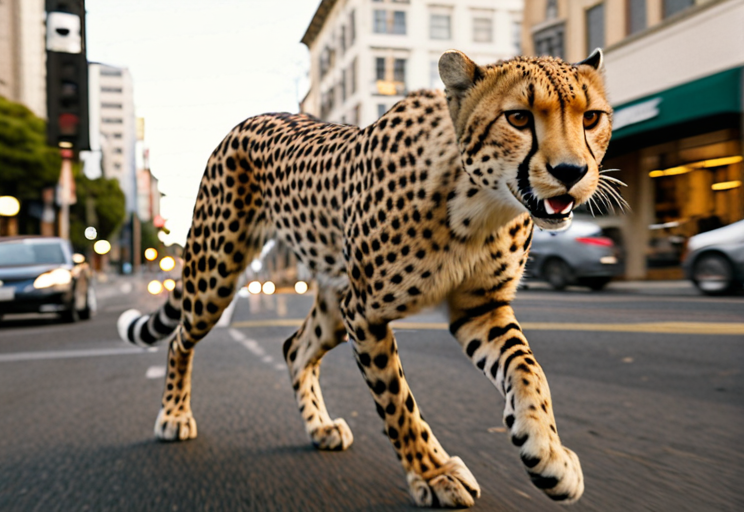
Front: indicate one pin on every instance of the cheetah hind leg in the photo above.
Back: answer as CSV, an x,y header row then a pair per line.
x,y
322,330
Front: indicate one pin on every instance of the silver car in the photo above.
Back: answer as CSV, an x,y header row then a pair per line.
x,y
715,259
581,255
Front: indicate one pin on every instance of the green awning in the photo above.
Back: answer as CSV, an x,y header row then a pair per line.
x,y
715,94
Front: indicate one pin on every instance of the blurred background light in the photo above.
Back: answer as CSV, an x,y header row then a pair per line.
x,y
167,264
102,247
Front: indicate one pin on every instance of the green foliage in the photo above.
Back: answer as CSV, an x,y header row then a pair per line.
x,y
149,238
27,164
100,203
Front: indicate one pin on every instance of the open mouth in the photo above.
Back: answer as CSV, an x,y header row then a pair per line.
x,y
552,208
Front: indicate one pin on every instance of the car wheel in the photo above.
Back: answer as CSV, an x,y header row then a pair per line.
x,y
71,315
713,274
557,273
595,283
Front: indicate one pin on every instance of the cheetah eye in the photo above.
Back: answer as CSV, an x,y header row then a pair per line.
x,y
519,119
591,119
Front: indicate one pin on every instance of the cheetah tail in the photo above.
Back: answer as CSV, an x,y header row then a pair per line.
x,y
147,330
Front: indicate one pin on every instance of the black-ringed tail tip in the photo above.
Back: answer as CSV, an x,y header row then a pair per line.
x,y
127,324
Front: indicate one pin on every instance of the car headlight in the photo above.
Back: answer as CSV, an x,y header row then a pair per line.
x,y
57,277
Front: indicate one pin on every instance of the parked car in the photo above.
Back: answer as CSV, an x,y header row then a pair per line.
x,y
42,275
715,260
582,255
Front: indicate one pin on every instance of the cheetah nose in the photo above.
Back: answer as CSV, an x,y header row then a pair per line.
x,y
568,174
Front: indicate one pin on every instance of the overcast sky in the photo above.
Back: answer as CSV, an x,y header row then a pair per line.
x,y
200,67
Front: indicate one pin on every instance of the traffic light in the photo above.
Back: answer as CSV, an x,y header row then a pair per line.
x,y
67,75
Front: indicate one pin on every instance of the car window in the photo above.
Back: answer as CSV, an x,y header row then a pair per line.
x,y
14,254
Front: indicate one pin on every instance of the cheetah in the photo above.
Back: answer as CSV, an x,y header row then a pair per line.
x,y
436,201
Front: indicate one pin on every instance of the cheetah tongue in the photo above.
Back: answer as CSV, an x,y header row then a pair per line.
x,y
561,205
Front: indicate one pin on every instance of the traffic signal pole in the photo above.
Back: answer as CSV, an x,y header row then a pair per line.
x,y
65,193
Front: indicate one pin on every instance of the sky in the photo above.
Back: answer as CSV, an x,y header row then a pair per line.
x,y
199,67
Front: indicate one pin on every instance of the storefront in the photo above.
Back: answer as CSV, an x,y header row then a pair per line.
x,y
680,152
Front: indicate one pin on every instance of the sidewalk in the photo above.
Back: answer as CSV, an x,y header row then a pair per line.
x,y
675,288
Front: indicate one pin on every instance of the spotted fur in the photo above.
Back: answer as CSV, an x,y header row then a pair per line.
x,y
435,201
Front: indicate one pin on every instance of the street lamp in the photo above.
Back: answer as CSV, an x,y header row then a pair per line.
x,y
167,264
102,247
9,206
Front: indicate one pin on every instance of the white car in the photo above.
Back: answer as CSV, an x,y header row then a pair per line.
x,y
715,259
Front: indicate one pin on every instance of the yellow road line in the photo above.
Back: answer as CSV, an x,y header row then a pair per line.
x,y
729,329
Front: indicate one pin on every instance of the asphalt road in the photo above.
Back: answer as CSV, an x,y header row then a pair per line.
x,y
647,388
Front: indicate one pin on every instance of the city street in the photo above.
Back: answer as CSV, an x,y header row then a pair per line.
x,y
646,380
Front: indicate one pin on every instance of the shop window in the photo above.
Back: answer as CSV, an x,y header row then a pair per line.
x,y
381,109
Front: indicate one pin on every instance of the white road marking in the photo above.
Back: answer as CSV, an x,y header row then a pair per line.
x,y
254,348
155,372
69,354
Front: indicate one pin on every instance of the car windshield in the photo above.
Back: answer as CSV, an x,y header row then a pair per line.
x,y
25,253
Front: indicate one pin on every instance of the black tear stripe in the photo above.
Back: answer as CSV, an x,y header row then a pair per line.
x,y
523,171
586,141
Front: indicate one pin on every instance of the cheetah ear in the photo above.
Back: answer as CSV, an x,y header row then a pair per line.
x,y
458,72
595,60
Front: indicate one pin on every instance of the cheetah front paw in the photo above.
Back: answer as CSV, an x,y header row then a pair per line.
x,y
451,486
560,476
336,436
170,427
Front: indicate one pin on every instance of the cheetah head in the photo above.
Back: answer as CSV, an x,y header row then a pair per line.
x,y
532,130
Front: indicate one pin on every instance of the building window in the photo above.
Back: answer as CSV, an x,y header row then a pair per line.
x,y
389,22
355,117
549,41
380,68
381,109
672,7
112,120
352,29
117,166
111,89
343,85
439,26
118,151
517,37
111,105
435,81
482,30
551,10
595,31
353,77
110,72
636,16
380,21
342,39
399,22
116,135
399,70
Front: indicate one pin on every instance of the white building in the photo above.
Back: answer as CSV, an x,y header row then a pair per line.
x,y
23,53
367,54
112,127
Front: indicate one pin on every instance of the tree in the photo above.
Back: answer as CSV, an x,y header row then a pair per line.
x,y
100,203
27,164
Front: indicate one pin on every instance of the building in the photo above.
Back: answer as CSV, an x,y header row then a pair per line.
x,y
113,126
675,77
148,193
23,53
365,55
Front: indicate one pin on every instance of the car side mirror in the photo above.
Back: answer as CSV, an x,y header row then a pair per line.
x,y
78,258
